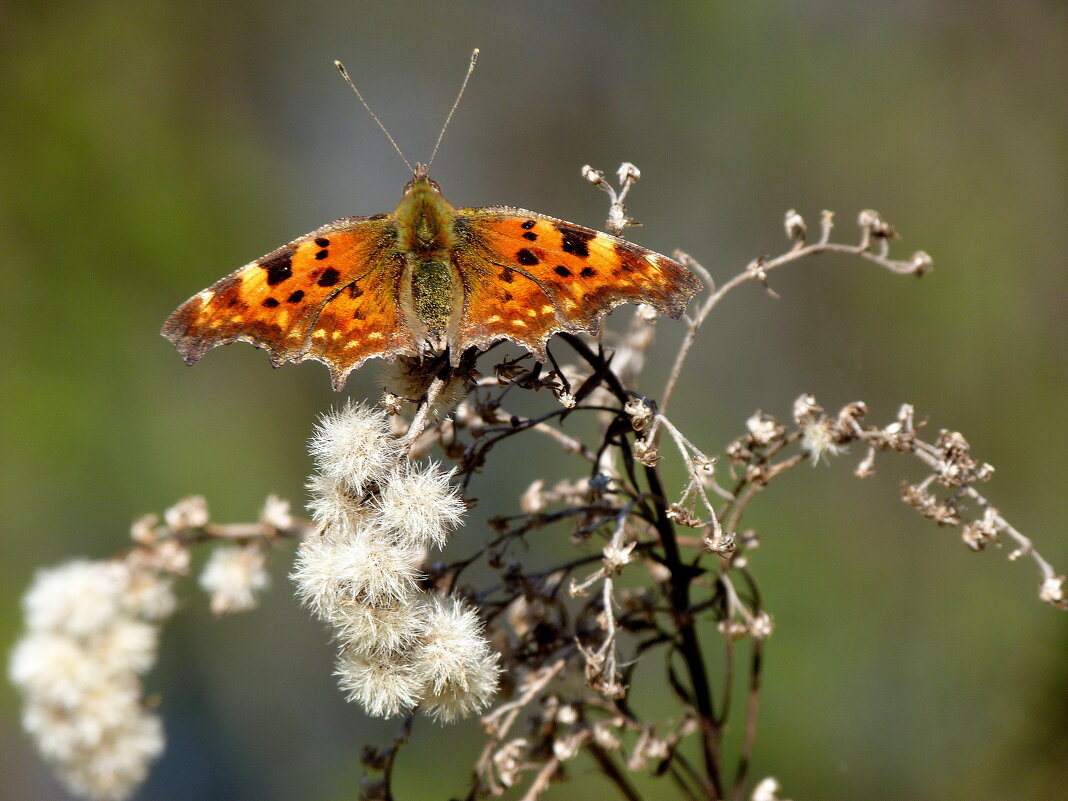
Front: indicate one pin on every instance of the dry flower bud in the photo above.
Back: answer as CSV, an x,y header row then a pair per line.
x,y
921,263
627,173
188,513
766,790
276,513
656,748
1052,591
565,748
806,410
507,372
595,177
683,516
639,412
393,404
171,556
866,469
764,429
826,223
761,626
957,466
605,737
646,452
976,535
921,499
733,629
737,452
567,400
567,714
756,269
143,530
533,499
796,230
720,542
874,225
757,475
646,313
705,464
868,218
851,414
508,761
616,558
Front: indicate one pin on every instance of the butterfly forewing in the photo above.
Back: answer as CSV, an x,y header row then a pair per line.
x,y
276,302
538,275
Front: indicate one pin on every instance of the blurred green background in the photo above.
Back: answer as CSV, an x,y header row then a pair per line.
x,y
148,148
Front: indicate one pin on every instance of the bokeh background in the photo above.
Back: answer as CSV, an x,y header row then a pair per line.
x,y
148,148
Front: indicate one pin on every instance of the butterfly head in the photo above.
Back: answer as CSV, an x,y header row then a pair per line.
x,y
421,181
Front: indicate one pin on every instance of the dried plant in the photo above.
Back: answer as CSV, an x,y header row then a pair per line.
x,y
546,655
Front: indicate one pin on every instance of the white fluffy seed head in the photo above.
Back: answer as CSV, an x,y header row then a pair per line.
x,y
418,505
353,445
367,630
127,647
332,501
149,594
385,685
64,734
118,764
234,576
78,598
53,669
92,628
347,564
458,668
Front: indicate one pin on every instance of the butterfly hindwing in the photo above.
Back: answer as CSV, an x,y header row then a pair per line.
x,y
537,275
277,301
363,319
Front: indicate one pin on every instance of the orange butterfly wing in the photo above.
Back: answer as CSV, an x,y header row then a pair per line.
x,y
527,276
331,295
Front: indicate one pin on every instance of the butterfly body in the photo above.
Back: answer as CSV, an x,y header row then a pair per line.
x,y
425,279
431,286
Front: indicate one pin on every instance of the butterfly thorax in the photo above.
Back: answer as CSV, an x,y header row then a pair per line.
x,y
431,291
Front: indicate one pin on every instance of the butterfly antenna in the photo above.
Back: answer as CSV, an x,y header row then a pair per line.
x,y
467,77
392,141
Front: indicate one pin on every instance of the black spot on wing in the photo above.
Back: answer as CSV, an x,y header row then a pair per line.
x,y
526,226
322,254
279,266
270,303
562,271
526,258
329,277
575,241
506,275
533,237
588,272
322,241
298,296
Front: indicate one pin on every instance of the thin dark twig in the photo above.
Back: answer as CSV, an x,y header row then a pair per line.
x,y
611,770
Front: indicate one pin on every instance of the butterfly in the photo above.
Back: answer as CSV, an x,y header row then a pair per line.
x,y
428,278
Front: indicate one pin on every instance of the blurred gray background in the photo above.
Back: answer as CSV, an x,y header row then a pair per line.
x,y
147,149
